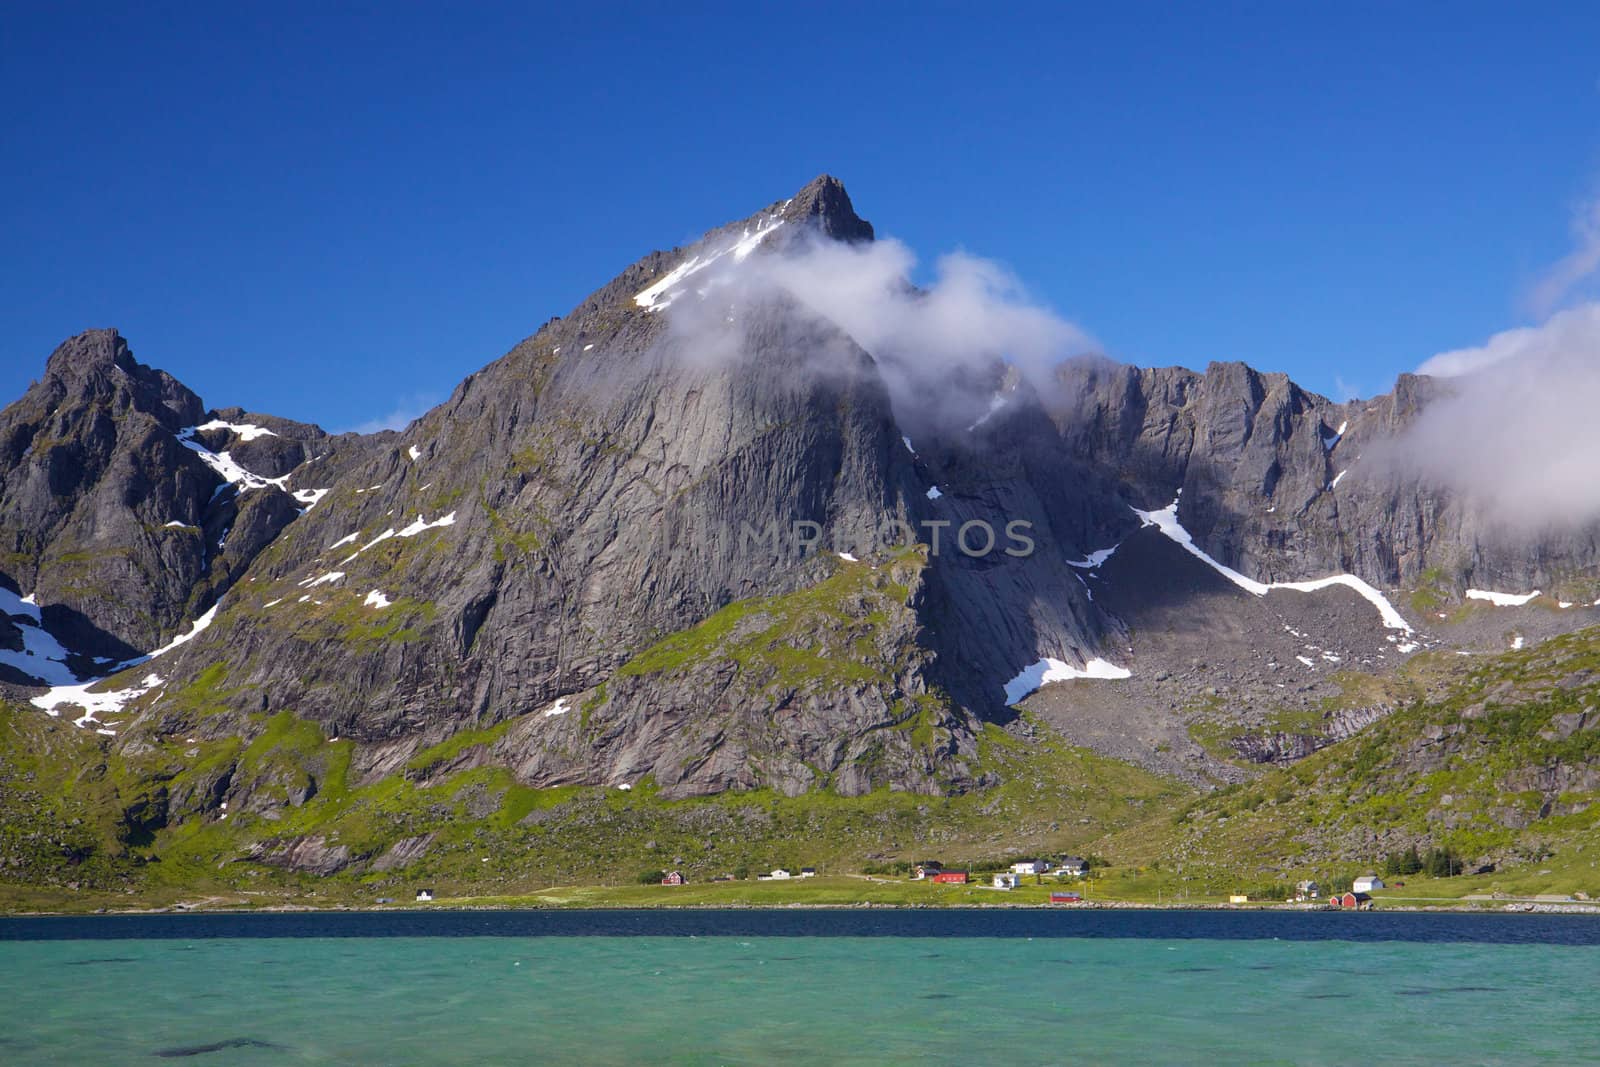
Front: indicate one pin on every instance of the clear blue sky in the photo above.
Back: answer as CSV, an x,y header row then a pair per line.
x,y
334,218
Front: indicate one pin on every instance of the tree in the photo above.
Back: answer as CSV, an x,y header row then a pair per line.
x,y
651,877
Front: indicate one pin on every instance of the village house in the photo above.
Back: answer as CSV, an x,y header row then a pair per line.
x,y
1358,901
808,872
1307,890
1072,867
778,874
1239,898
926,869
951,877
672,878
424,895
1366,883
1066,898
1030,866
1006,880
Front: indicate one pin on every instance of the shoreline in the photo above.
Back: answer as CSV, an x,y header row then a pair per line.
x,y
1507,907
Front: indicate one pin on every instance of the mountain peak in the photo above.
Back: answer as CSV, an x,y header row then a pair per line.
x,y
825,204
90,350
99,364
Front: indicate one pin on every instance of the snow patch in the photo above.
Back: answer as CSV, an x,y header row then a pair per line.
x,y
375,599
907,440
414,452
331,576
223,462
1047,670
1307,660
345,540
93,705
1337,478
665,291
560,707
1166,520
1093,559
1503,600
848,558
933,492
421,525
996,402
1329,442
1517,642
244,430
380,538
309,497
41,655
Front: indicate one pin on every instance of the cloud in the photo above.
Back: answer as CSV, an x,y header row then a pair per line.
x,y
1573,268
941,347
1518,427
406,411
1565,331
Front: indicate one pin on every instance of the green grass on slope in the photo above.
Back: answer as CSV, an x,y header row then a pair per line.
x,y
1499,765
487,834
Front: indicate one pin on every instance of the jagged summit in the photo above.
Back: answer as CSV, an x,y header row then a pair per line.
x,y
825,204
100,364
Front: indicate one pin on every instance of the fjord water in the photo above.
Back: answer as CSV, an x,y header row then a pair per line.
x,y
838,986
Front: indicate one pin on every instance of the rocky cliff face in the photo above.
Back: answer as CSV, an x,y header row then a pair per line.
x,y
587,561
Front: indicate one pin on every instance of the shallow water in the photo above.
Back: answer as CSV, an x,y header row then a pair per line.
x,y
837,986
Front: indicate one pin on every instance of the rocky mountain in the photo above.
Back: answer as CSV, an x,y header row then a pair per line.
x,y
662,541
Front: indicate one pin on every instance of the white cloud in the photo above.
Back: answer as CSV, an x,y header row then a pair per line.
x,y
1566,331
926,341
1573,268
1517,431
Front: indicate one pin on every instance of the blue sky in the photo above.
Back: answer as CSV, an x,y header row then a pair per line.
x,y
335,218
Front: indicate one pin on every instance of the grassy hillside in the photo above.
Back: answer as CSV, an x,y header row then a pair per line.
x,y
82,823
1498,765
1490,765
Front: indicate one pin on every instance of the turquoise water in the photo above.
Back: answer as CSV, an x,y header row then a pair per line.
x,y
744,998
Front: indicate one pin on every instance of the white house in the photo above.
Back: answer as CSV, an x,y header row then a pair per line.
x,y
778,875
1072,867
1366,884
424,895
1007,880
808,872
1030,866
1307,890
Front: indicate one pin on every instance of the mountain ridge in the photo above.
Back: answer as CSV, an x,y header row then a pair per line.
x,y
556,551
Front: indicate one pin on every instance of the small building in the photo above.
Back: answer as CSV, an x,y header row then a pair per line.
x,y
951,877
1072,867
1006,880
1239,898
424,895
1367,883
1355,901
778,874
926,869
1307,890
1066,898
672,878
808,872
1030,866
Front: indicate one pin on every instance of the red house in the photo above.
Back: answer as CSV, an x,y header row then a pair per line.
x,y
673,878
1362,901
1066,898
951,877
